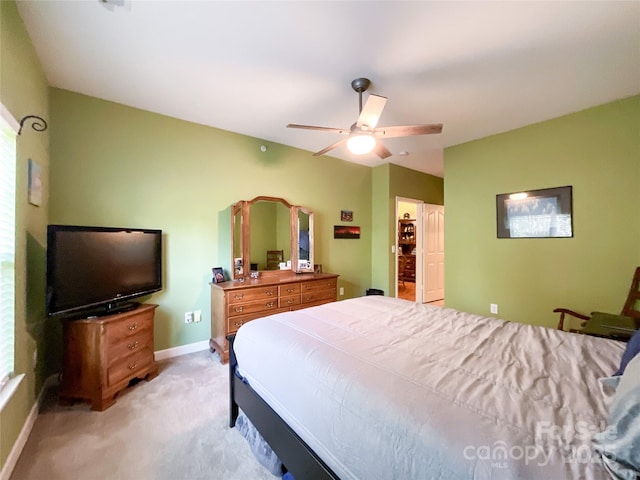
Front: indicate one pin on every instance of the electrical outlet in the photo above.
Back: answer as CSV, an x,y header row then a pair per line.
x,y
494,308
188,317
341,290
197,316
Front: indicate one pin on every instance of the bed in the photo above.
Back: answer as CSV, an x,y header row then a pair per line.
x,y
377,387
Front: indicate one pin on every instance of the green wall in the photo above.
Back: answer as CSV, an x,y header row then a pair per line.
x,y
120,166
597,151
390,181
23,91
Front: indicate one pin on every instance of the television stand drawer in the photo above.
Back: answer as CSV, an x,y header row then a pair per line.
x,y
102,355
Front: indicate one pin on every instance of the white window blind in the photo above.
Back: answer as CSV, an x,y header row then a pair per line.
x,y
7,242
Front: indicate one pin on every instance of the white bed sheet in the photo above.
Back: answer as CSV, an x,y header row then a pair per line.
x,y
382,388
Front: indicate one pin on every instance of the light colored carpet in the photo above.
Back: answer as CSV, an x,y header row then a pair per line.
x,y
174,427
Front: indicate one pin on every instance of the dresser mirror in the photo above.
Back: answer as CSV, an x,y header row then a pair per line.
x,y
303,218
271,234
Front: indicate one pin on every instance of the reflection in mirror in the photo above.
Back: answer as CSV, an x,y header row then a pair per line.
x,y
305,240
269,244
238,269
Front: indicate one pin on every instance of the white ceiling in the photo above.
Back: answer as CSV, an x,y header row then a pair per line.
x,y
253,67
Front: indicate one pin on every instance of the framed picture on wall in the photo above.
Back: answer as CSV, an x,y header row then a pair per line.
x,y
544,213
343,231
346,216
35,183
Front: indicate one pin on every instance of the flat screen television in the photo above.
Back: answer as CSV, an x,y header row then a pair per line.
x,y
94,271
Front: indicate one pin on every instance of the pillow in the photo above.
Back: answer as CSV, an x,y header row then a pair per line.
x,y
633,347
619,444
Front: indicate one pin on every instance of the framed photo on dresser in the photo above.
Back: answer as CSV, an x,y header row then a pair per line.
x,y
218,275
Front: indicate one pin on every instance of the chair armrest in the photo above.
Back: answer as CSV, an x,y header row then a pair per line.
x,y
572,313
563,311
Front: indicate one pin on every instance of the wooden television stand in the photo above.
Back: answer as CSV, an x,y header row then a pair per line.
x,y
102,355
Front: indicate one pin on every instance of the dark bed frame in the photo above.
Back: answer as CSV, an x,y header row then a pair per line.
x,y
297,457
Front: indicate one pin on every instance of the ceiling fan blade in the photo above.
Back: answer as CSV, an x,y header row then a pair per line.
x,y
408,130
330,147
371,111
381,150
323,129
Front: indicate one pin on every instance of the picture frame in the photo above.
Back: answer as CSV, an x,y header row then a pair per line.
x,y
218,275
346,216
542,213
35,183
346,231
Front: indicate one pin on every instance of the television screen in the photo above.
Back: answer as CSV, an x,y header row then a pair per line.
x,y
96,269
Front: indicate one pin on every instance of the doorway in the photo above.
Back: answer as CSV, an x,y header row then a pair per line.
x,y
419,251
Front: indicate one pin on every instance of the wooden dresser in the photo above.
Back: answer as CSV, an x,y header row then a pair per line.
x,y
102,355
235,303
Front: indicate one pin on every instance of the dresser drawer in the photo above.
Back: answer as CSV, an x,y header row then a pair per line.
x,y
317,295
251,294
120,330
234,323
252,307
287,302
289,289
129,346
313,285
128,367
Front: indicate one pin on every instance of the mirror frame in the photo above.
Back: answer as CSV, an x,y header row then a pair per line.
x,y
243,207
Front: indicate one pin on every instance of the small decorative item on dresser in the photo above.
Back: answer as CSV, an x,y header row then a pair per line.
x,y
406,216
346,216
317,268
218,275
255,274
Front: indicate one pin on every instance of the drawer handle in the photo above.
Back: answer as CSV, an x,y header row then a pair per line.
x,y
270,304
238,296
132,327
290,301
269,292
238,309
132,346
238,324
290,290
132,366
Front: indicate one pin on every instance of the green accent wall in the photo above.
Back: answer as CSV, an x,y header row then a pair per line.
x,y
597,151
23,91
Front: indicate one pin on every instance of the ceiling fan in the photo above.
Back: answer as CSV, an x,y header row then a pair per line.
x,y
363,136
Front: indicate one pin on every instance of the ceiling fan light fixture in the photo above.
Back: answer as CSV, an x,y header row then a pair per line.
x,y
361,143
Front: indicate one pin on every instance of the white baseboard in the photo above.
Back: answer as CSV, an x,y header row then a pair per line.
x,y
16,450
181,350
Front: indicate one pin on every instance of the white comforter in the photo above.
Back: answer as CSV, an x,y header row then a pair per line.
x,y
383,388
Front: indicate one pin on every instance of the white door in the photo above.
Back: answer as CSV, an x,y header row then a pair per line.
x,y
433,258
